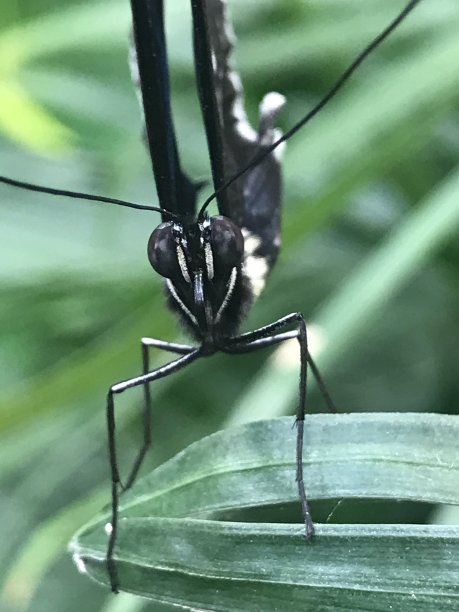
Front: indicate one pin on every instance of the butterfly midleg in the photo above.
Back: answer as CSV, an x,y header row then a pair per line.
x,y
262,337
145,378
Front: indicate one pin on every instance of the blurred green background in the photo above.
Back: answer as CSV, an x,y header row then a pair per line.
x,y
370,255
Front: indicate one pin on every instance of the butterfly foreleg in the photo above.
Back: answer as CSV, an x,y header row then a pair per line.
x,y
147,343
116,389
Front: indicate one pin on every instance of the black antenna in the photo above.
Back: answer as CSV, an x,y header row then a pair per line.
x,y
83,196
328,96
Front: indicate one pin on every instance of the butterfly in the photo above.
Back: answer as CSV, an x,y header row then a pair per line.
x,y
214,266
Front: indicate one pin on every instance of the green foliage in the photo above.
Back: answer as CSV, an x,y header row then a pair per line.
x,y
370,213
229,566
172,549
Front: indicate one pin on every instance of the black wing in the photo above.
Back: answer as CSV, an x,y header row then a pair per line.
x,y
253,201
176,192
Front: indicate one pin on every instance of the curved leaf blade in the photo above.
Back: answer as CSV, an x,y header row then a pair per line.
x,y
167,554
233,566
387,455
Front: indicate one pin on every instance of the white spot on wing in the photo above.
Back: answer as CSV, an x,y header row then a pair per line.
x,y
242,126
268,110
256,269
279,150
80,565
108,528
271,103
251,242
245,131
255,266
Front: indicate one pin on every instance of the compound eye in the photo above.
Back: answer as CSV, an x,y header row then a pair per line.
x,y
162,251
226,241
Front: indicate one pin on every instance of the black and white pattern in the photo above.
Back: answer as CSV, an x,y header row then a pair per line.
x,y
215,267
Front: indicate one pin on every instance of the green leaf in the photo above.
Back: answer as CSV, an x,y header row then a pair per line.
x,y
233,566
172,550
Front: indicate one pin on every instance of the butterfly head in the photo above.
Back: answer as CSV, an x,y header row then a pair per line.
x,y
200,260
